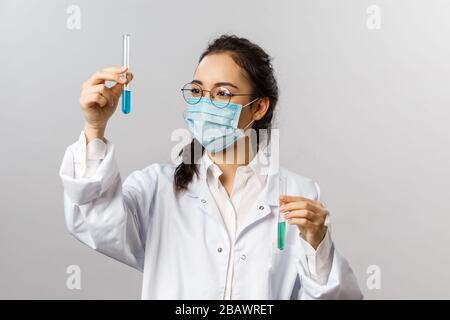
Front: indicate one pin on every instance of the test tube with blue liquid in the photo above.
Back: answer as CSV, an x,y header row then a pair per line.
x,y
281,219
126,92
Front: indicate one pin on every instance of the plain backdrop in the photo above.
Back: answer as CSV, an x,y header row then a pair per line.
x,y
363,112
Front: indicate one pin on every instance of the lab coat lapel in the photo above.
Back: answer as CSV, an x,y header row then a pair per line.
x,y
268,156
199,191
266,205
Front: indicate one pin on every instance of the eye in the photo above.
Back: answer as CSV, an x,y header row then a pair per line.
x,y
223,92
195,92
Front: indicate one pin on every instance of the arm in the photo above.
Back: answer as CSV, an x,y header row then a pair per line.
x,y
323,272
100,211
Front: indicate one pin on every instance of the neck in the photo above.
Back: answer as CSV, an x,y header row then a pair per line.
x,y
232,158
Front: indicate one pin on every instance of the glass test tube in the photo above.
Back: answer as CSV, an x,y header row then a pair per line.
x,y
281,219
126,92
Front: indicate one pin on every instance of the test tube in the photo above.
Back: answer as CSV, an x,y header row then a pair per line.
x,y
126,92
281,219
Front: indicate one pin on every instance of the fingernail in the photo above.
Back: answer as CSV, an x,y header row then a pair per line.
x,y
282,209
285,215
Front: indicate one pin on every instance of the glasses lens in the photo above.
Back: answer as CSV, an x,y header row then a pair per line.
x,y
192,93
220,96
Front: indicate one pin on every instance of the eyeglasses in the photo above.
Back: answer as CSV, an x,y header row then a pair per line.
x,y
219,96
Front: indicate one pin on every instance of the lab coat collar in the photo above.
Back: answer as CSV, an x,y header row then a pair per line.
x,y
265,205
266,165
254,167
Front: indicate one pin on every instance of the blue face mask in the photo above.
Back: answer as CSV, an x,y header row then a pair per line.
x,y
215,127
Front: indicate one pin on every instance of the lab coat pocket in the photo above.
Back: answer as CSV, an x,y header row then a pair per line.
x,y
282,271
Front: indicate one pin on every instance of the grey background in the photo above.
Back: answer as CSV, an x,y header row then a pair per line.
x,y
363,112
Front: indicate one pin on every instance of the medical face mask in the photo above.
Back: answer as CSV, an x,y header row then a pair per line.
x,y
215,127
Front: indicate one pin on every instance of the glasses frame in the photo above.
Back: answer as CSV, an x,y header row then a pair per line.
x,y
212,101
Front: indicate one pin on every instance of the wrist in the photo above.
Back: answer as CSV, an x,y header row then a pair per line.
x,y
92,133
314,239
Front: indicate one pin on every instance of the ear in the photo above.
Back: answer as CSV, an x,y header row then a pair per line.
x,y
260,108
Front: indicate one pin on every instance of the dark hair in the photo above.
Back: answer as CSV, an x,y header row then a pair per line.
x,y
257,64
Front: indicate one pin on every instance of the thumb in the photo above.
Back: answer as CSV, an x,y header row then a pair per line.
x,y
117,89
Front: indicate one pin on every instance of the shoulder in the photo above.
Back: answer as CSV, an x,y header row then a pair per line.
x,y
155,173
300,184
163,170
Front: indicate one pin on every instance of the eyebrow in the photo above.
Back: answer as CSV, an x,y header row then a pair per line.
x,y
216,84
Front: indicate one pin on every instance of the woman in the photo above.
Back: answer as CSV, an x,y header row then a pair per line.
x,y
205,228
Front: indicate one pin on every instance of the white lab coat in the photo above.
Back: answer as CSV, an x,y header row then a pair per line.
x,y
180,242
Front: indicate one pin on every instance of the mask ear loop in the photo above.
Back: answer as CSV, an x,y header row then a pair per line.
x,y
249,103
245,128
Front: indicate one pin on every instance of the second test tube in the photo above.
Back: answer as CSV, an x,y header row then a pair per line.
x,y
281,219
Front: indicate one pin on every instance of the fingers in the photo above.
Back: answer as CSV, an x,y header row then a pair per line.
x,y
288,198
98,88
111,74
91,99
96,84
128,76
314,218
303,205
102,90
117,88
304,223
305,214
119,69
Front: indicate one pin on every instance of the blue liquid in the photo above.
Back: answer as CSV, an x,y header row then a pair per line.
x,y
281,234
126,101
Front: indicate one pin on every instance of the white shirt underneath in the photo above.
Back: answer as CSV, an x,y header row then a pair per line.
x,y
248,184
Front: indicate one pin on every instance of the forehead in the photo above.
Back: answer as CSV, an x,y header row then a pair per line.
x,y
220,67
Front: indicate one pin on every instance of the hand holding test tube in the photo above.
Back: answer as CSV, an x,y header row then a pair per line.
x,y
126,92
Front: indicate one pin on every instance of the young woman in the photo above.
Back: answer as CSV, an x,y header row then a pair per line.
x,y
205,228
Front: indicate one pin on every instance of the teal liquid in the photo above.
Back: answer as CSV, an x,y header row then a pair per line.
x,y
281,234
126,101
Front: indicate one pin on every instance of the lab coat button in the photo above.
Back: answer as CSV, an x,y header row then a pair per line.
x,y
203,201
219,249
261,207
243,257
